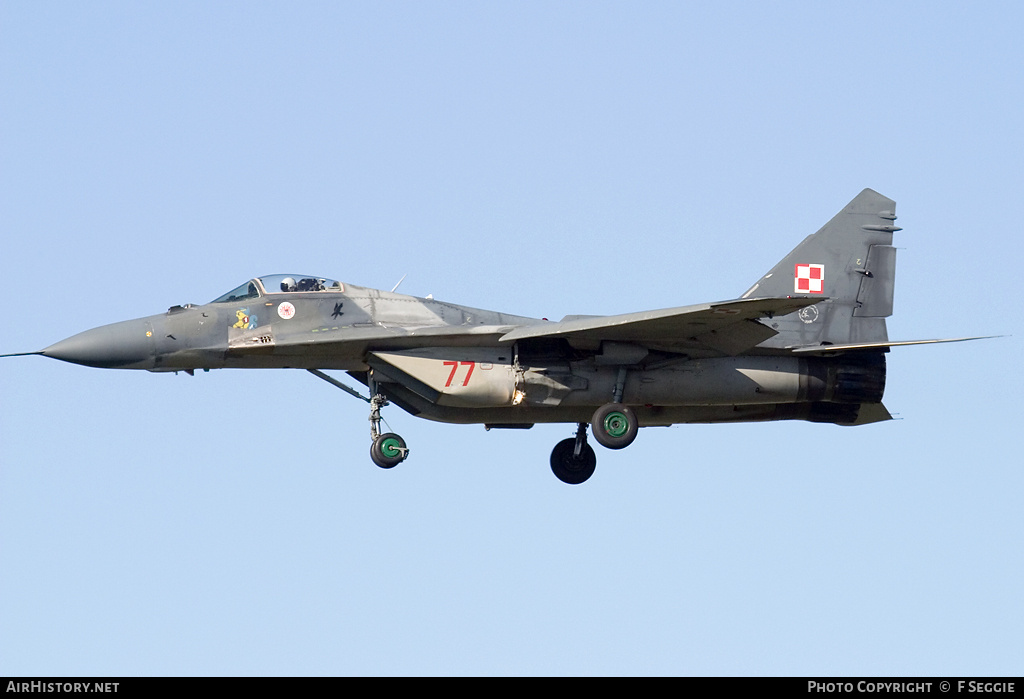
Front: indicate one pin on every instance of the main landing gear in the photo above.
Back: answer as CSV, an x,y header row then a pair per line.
x,y
615,426
573,460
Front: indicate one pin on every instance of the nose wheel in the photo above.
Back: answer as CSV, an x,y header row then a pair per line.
x,y
388,450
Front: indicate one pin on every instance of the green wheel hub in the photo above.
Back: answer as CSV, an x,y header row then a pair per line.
x,y
616,424
391,447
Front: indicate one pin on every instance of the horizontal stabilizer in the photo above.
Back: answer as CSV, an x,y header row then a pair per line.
x,y
880,345
872,412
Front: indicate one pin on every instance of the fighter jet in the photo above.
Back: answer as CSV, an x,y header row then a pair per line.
x,y
807,341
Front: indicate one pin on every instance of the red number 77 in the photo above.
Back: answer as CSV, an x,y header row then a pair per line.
x,y
455,366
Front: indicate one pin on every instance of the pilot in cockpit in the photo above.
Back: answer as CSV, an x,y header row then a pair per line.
x,y
288,284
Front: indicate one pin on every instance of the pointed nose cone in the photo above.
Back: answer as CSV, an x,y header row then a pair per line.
x,y
125,345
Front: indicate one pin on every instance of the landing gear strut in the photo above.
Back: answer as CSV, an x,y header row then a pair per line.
x,y
573,460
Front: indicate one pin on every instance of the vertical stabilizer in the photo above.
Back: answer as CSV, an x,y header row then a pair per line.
x,y
851,265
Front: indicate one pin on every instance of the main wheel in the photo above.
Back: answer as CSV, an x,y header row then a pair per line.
x,y
615,426
567,467
388,450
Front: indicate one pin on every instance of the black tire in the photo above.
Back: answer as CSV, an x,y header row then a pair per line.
x,y
569,469
388,450
615,426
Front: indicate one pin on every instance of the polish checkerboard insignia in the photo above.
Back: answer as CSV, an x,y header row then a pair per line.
x,y
809,279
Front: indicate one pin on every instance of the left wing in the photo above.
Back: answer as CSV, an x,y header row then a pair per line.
x,y
729,327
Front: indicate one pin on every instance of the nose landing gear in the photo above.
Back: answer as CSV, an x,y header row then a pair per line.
x,y
388,449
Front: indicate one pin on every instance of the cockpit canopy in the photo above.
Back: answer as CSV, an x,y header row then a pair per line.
x,y
278,284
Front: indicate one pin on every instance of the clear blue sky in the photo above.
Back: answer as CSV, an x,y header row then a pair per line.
x,y
543,159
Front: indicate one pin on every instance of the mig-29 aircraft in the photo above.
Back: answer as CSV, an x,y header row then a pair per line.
x,y
806,342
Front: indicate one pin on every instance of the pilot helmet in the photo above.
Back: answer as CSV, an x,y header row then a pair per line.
x,y
287,284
